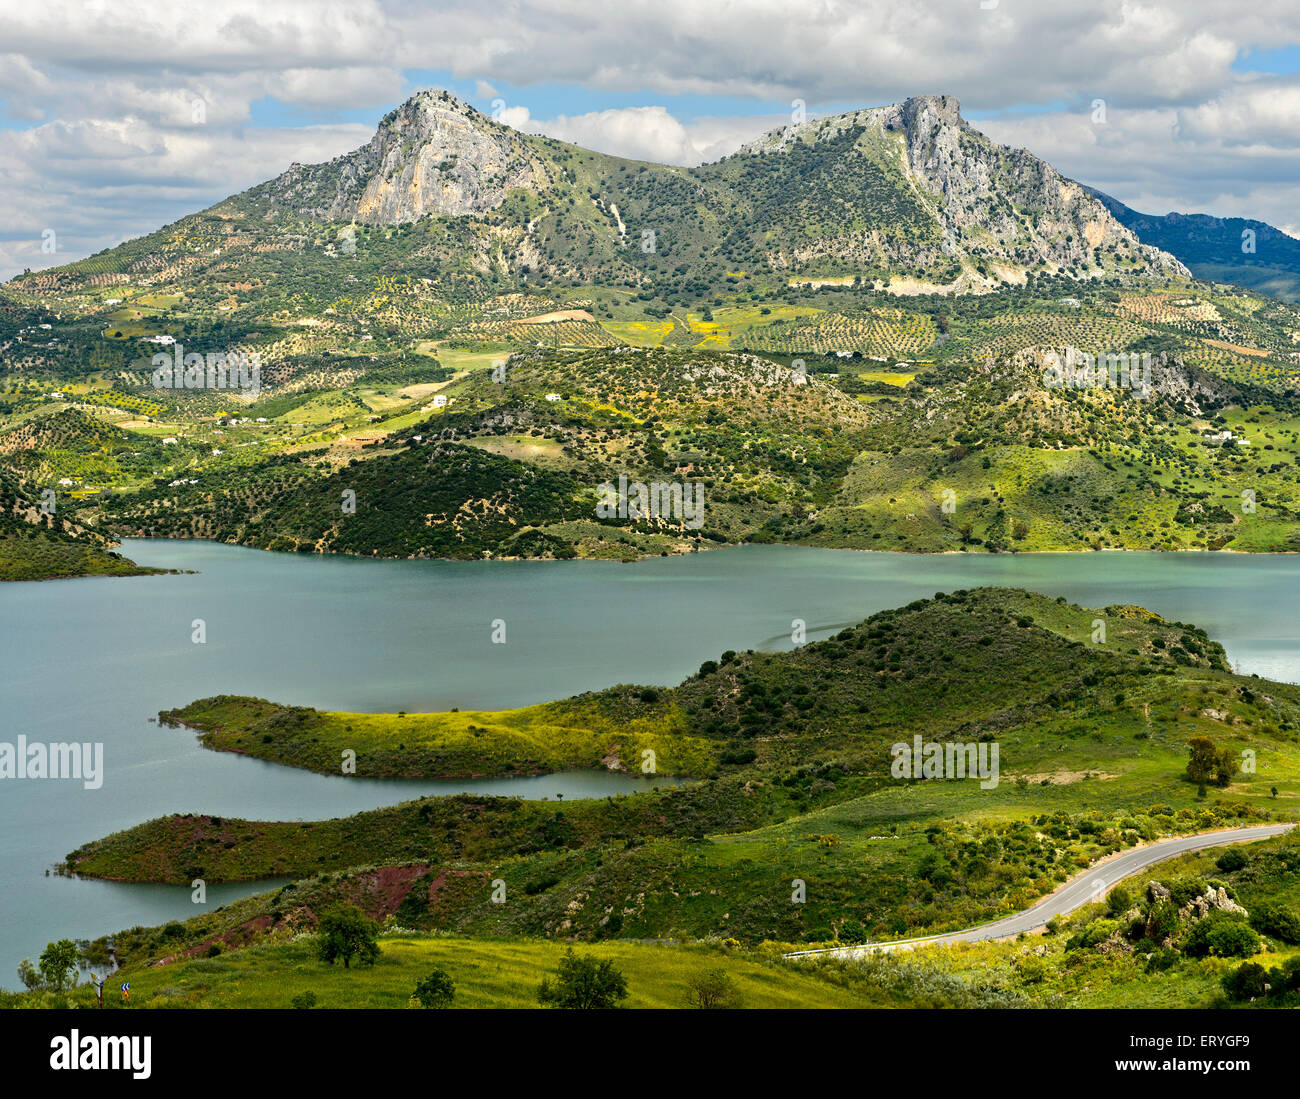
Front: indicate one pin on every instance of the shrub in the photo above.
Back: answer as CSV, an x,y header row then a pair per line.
x,y
712,989
30,976
346,933
1032,969
1162,920
1223,935
1096,932
436,990
1162,960
1231,860
1246,982
1285,978
583,983
303,1001
1276,920
1186,889
737,755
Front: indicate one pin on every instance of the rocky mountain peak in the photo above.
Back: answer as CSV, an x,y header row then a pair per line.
x,y
435,154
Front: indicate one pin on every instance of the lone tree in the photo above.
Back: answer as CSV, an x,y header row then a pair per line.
x,y
583,983
436,990
1207,763
346,932
58,963
712,989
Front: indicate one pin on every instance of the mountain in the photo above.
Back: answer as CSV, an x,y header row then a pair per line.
x,y
1219,249
467,331
907,196
996,212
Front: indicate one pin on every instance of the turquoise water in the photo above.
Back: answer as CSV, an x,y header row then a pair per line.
x,y
96,659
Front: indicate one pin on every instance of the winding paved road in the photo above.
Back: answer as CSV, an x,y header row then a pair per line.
x,y
1089,886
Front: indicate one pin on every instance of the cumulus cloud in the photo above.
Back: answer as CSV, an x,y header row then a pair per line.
x,y
1237,155
97,183
1162,51
646,133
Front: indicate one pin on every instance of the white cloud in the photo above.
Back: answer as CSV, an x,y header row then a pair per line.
x,y
1161,51
647,133
98,183
1237,155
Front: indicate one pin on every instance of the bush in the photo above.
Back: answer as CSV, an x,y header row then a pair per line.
x,y
303,1001
584,984
1223,935
1277,921
1096,932
436,990
712,989
1162,960
1285,978
737,755
346,932
1246,982
30,976
1119,901
1186,889
1231,860
1162,920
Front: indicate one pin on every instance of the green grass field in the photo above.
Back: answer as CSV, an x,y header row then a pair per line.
x,y
488,974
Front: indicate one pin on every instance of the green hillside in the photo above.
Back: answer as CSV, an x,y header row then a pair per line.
x,y
1091,711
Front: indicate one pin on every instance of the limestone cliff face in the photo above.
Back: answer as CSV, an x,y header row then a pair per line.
x,y
433,155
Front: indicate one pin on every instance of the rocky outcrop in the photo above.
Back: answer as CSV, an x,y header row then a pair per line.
x,y
1156,376
434,154
1212,900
